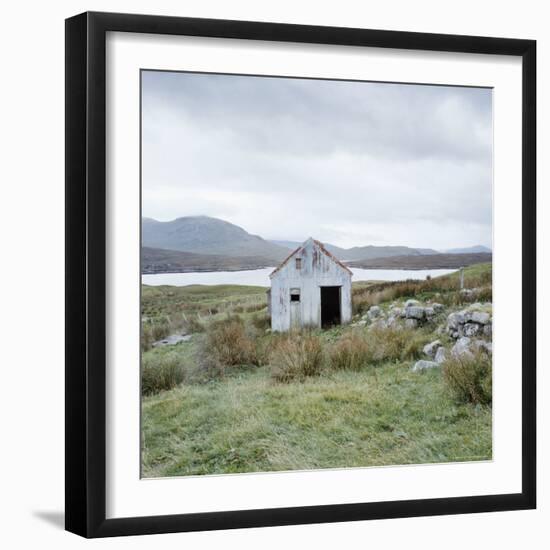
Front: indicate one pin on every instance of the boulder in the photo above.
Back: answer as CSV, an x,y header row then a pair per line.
x,y
411,302
462,348
438,308
391,321
415,312
379,323
480,317
429,312
440,355
471,329
455,319
423,365
482,345
374,312
411,323
488,330
431,348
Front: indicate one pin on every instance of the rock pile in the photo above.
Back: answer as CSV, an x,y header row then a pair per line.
x,y
472,330
423,365
473,321
412,314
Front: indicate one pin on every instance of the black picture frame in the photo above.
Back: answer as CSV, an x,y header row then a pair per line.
x,y
86,268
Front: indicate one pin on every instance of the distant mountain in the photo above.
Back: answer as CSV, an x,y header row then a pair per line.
x,y
291,245
468,250
427,251
363,252
159,260
370,251
202,243
205,235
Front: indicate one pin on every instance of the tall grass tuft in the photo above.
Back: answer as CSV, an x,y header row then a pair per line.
x,y
296,357
229,343
261,321
356,350
193,325
469,378
350,352
395,344
159,373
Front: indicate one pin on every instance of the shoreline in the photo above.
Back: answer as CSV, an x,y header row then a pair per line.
x,y
392,268
225,270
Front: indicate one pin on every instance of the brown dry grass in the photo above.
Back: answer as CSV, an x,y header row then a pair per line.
x,y
296,357
350,352
229,343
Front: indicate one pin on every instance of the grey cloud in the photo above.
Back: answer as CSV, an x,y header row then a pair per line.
x,y
290,158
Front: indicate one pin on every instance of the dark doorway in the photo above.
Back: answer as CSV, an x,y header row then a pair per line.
x,y
330,305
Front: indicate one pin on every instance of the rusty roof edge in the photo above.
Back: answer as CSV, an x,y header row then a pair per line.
x,y
322,248
332,256
285,261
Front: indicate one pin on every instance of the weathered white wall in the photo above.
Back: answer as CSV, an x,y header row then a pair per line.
x,y
317,270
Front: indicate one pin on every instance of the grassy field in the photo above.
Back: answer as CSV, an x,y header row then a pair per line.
x,y
229,413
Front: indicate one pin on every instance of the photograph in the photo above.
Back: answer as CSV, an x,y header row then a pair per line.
x,y
316,273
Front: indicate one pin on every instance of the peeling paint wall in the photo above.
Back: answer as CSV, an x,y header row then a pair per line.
x,y
317,269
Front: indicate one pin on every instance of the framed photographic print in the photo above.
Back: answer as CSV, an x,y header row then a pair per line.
x,y
300,274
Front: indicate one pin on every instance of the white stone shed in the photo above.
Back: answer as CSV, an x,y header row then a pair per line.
x,y
311,288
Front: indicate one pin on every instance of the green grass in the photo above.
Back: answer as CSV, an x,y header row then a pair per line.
x,y
364,410
163,300
248,423
169,309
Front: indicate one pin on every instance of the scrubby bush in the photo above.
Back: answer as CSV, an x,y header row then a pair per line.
x,y
261,321
146,337
160,329
469,378
153,330
193,325
355,350
160,372
457,298
296,357
350,352
394,344
229,343
485,294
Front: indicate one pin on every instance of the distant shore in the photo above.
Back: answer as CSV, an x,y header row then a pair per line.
x,y
409,263
192,269
431,261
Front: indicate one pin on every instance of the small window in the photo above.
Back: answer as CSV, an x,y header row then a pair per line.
x,y
294,294
298,263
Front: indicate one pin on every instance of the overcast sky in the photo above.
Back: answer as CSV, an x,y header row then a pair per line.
x,y
350,163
